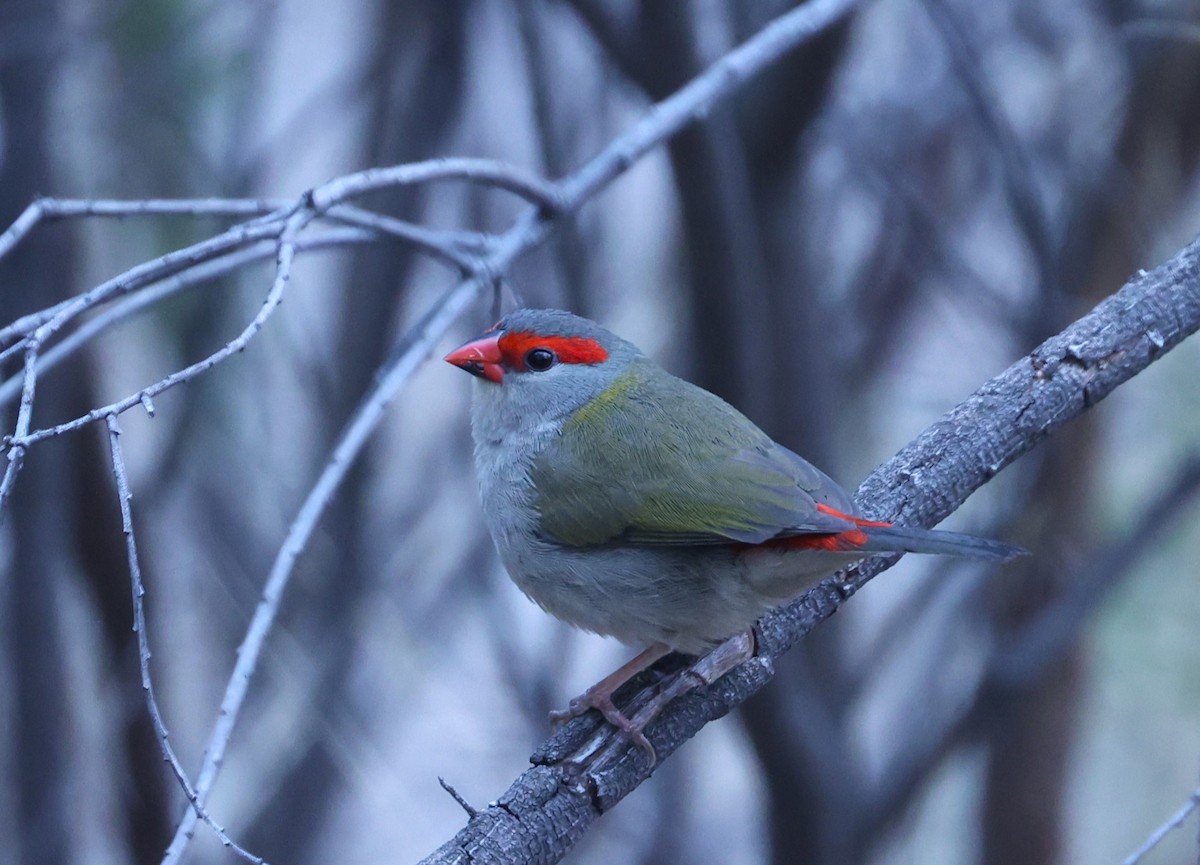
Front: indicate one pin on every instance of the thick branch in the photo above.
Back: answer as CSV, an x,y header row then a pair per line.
x,y
550,806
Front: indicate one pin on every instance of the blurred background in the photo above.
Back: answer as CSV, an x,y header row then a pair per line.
x,y
858,239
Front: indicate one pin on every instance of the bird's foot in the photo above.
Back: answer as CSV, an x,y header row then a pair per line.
x,y
705,671
599,697
602,702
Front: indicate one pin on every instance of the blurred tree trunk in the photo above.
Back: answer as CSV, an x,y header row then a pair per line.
x,y
1029,727
152,112
1028,746
416,88
42,509
1032,725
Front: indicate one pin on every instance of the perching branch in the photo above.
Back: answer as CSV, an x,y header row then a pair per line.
x,y
550,806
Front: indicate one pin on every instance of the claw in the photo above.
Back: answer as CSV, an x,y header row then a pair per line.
x,y
603,704
704,671
599,697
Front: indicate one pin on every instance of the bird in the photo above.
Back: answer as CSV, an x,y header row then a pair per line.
x,y
634,504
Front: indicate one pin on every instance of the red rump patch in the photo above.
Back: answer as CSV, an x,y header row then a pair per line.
x,y
569,349
839,543
834,542
858,521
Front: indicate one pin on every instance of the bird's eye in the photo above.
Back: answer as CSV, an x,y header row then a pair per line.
x,y
540,359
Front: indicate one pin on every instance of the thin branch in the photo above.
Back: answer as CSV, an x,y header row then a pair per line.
x,y
459,249
362,424
21,437
14,349
209,270
487,172
286,252
139,627
60,208
695,99
1165,829
47,209
16,450
47,322
22,225
457,797
668,117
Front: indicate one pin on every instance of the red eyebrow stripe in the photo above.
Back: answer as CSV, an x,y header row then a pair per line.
x,y
570,349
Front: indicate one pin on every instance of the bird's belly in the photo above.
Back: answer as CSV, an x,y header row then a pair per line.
x,y
687,598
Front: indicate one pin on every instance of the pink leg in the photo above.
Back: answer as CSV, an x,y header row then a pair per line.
x,y
599,696
706,670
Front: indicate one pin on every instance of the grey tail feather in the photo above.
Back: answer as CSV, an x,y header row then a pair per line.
x,y
908,539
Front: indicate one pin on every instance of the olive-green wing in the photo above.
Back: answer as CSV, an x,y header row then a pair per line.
x,y
655,460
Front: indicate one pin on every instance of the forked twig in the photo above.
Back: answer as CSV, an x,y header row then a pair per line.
x,y
139,627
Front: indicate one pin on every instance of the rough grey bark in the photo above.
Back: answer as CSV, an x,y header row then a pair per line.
x,y
550,806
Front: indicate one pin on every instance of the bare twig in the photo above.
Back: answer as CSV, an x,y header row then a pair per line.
x,y
14,349
362,423
209,270
47,209
483,171
457,797
47,322
16,450
460,249
1165,829
143,639
286,252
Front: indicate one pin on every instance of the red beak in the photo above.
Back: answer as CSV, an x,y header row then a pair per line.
x,y
480,357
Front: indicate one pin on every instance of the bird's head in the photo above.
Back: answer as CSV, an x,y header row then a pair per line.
x,y
539,365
